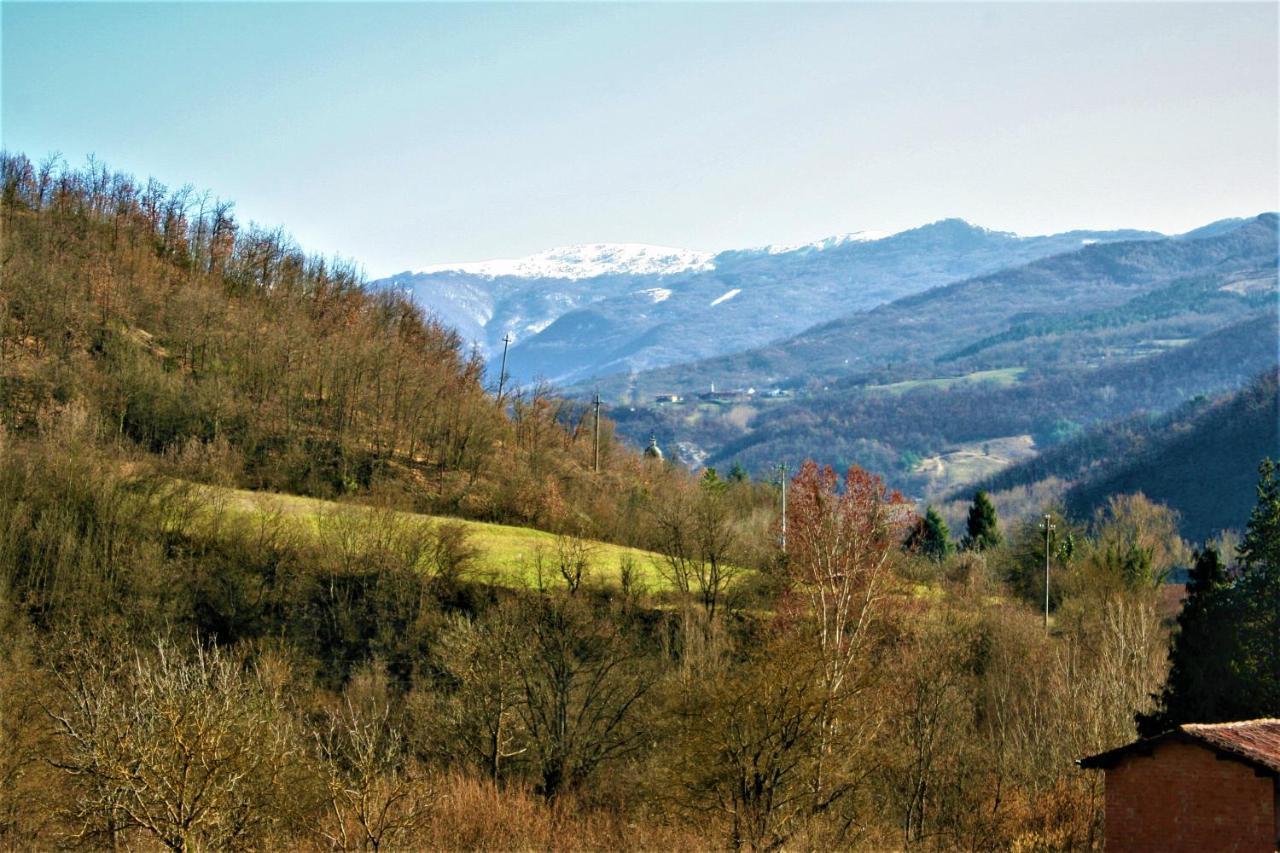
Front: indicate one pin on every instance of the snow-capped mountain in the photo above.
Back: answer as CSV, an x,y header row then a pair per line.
x,y
587,261
581,311
827,242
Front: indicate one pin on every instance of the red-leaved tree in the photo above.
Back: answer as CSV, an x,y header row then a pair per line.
x,y
841,541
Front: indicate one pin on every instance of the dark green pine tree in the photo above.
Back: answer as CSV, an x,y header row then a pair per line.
x,y
738,474
1262,538
983,528
1198,656
930,537
1225,658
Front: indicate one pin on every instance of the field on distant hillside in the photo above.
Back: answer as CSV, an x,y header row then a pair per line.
x,y
1003,377
974,461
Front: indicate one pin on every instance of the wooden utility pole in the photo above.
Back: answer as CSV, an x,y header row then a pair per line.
x,y
595,447
502,371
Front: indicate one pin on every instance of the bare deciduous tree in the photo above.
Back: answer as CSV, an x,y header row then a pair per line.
x,y
581,682
191,749
482,713
375,796
695,536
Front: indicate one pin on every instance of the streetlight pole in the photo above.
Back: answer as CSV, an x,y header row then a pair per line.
x,y
1048,526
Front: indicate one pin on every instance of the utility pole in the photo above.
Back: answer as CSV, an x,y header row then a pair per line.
x,y
502,372
1048,527
782,469
596,442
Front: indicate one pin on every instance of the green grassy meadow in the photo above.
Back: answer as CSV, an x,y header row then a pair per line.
x,y
506,555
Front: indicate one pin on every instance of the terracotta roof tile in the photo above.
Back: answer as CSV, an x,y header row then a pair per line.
x,y
1256,740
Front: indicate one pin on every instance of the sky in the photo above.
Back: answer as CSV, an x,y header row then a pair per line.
x,y
407,134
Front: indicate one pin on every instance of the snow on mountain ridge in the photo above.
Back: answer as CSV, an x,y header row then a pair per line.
x,y
587,261
827,242
725,297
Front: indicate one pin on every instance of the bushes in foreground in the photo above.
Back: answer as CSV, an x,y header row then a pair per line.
x,y
357,689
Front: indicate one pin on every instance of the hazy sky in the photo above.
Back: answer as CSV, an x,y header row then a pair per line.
x,y
408,134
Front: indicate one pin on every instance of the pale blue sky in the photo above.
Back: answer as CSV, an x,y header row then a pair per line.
x,y
408,134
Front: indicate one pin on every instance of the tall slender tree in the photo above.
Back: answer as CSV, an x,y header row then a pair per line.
x,y
1196,664
983,527
930,537
1225,658
1261,543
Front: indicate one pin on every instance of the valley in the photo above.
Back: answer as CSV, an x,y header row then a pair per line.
x,y
1015,352
767,356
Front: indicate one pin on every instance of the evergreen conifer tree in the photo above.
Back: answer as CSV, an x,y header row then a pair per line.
x,y
931,536
983,528
1225,658
1196,659
1261,543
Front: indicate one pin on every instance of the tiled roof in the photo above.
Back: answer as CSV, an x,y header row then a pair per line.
x,y
1256,742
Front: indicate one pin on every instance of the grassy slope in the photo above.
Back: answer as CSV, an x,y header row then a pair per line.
x,y
1001,378
507,554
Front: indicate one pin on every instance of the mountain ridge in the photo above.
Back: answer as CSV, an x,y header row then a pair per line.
x,y
640,322
973,308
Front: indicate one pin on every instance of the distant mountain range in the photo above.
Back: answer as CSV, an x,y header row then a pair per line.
x,y
932,389
936,357
997,319
584,311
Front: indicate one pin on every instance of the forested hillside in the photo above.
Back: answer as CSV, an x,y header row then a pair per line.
x,y
1197,459
1171,466
234,357
891,430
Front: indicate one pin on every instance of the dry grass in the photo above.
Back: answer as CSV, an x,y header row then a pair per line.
x,y
974,461
474,814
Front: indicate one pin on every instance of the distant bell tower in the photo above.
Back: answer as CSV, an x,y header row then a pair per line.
x,y
653,451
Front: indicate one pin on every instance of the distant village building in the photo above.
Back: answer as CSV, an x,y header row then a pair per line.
x,y
1198,787
667,398
736,395
653,451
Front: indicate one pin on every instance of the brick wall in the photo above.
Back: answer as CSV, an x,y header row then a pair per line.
x,y
1184,798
